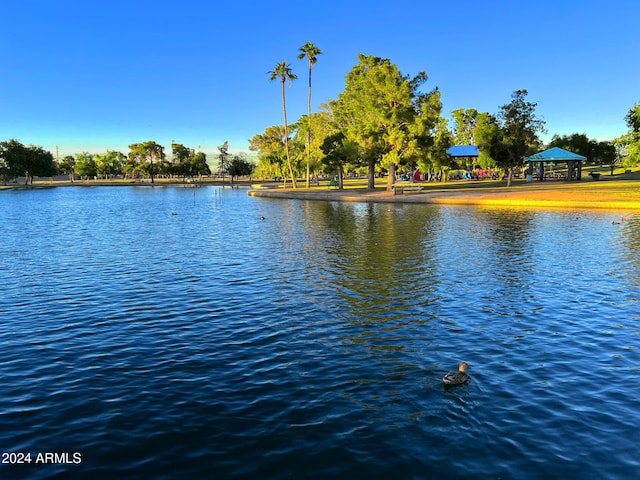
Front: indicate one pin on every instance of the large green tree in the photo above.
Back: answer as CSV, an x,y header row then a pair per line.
x,y
465,123
311,52
380,110
40,162
86,165
29,161
111,163
67,166
181,163
146,156
179,152
436,156
338,153
239,166
187,162
487,136
12,158
271,155
322,125
199,165
521,128
363,112
431,133
283,72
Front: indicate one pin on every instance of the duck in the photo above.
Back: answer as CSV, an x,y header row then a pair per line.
x,y
457,378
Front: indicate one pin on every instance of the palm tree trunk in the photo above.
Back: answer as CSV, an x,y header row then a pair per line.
x,y
286,137
309,130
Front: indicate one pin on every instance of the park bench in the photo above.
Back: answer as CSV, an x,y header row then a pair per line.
x,y
402,188
595,175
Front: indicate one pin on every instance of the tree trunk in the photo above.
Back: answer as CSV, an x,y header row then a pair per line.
x,y
286,137
371,174
151,166
392,177
309,131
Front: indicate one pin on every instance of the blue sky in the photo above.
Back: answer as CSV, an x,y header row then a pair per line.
x,y
92,76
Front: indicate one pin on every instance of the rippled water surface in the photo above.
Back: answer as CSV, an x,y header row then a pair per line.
x,y
174,333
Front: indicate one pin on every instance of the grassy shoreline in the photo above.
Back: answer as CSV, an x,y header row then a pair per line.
x,y
617,192
614,193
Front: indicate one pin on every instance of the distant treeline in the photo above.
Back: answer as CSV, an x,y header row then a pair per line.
x,y
144,159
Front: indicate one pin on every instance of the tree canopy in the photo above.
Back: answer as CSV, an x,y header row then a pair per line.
x,y
632,118
466,121
111,163
144,157
86,165
384,114
239,166
521,128
186,162
628,145
29,161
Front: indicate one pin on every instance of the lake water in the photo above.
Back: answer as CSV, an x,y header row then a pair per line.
x,y
174,333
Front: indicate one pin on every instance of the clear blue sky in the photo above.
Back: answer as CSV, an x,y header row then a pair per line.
x,y
92,76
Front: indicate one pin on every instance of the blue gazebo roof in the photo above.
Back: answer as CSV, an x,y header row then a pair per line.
x,y
555,154
463,151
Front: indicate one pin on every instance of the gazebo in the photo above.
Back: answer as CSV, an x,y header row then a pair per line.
x,y
556,154
468,151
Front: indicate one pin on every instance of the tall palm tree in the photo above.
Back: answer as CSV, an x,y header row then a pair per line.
x,y
310,51
284,73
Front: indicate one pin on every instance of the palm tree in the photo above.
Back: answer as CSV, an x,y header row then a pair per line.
x,y
310,51
284,73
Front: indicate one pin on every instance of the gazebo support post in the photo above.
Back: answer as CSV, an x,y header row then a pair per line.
x,y
570,172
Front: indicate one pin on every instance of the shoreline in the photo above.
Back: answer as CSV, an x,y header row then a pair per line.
x,y
613,194
555,196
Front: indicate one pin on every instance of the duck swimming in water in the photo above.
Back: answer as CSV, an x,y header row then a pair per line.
x,y
457,378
